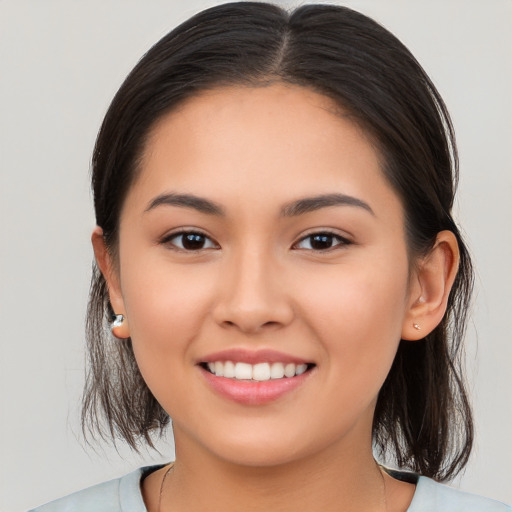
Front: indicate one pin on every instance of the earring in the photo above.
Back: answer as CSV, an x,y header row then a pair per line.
x,y
417,327
118,326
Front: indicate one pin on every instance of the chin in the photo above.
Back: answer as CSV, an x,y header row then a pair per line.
x,y
267,449
258,457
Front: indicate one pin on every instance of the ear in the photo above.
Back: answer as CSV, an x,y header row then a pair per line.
x,y
430,287
110,273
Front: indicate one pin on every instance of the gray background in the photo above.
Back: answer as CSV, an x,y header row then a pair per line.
x,y
60,64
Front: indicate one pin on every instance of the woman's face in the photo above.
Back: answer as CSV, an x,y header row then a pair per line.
x,y
262,239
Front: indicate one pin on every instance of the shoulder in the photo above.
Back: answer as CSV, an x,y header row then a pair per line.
x,y
119,495
431,496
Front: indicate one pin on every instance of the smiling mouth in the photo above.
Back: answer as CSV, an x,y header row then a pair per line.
x,y
259,372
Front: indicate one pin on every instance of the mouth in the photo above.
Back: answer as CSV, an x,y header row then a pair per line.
x,y
259,372
254,377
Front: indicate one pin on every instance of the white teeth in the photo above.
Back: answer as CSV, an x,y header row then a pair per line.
x,y
229,370
289,370
243,371
301,368
219,368
258,372
277,371
261,371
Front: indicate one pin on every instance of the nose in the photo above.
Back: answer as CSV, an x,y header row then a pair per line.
x,y
252,295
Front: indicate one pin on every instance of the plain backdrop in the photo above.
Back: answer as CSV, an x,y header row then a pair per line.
x,y
61,61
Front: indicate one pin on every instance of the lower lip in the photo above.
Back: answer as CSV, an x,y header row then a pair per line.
x,y
254,392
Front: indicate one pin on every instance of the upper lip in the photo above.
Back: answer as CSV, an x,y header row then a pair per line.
x,y
241,355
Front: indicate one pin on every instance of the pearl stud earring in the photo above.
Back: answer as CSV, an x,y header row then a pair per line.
x,y
117,326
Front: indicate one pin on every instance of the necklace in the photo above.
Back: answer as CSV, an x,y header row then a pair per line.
x,y
171,466
384,488
381,473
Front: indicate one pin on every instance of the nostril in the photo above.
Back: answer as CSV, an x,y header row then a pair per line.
x,y
230,323
247,317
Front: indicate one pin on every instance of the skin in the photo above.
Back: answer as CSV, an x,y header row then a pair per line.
x,y
259,284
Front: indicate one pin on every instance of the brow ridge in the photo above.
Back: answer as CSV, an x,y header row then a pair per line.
x,y
310,204
186,201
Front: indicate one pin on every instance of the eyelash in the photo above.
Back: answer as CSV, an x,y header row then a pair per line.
x,y
168,240
342,241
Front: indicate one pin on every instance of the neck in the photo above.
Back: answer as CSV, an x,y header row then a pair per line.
x,y
335,479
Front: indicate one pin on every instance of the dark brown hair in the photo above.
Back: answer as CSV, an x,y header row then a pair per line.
x,y
422,419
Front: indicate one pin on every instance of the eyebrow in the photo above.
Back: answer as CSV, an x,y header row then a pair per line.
x,y
311,204
295,208
187,201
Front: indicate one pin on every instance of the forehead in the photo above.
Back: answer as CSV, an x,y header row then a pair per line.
x,y
257,141
267,98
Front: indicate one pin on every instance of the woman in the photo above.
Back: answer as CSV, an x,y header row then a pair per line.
x,y
285,279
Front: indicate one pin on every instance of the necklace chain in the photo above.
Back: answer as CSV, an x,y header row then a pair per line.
x,y
384,488
171,466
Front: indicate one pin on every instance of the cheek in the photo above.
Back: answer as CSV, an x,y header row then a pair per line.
x,y
358,313
164,306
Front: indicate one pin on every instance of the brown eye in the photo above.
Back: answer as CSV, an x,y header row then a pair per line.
x,y
321,242
190,241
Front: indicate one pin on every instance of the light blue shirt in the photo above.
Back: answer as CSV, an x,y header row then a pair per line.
x,y
124,495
